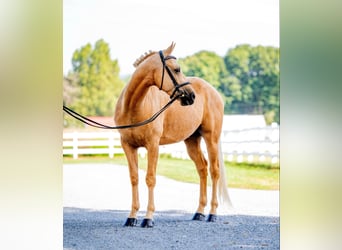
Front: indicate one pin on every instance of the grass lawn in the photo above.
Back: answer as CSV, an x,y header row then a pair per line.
x,y
249,176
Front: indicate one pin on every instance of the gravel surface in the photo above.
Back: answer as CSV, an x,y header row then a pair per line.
x,y
97,198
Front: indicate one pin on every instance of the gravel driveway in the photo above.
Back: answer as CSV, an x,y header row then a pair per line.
x,y
97,201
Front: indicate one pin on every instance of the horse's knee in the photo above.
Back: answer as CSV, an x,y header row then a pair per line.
x,y
134,180
150,181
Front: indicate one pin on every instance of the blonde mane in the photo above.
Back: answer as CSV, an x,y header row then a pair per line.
x,y
143,57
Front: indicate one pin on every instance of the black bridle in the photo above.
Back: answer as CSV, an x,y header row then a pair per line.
x,y
175,83
174,96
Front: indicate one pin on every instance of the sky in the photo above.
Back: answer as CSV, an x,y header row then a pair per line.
x,y
132,27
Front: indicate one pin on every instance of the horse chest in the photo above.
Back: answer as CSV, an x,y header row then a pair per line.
x,y
137,137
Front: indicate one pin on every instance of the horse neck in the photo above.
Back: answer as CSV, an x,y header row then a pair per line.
x,y
136,91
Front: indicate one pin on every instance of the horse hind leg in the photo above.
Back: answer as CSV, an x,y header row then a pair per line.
x,y
194,150
213,151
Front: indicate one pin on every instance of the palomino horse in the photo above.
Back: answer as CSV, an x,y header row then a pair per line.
x,y
198,114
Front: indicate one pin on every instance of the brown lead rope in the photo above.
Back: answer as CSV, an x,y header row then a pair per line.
x,y
103,126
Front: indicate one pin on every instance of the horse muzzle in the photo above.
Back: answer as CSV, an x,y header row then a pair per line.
x,y
187,98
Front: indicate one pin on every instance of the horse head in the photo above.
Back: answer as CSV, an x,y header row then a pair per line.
x,y
176,83
167,74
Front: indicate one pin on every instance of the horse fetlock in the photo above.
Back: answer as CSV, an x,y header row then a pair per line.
x,y
213,208
150,212
202,204
134,211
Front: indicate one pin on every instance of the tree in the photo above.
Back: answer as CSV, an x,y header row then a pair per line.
x,y
94,81
70,91
207,65
254,79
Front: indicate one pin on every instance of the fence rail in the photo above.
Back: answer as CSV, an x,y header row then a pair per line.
x,y
245,145
87,143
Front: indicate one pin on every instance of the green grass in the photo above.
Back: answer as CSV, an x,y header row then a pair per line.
x,y
239,175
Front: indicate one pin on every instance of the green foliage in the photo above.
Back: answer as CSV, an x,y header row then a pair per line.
x,y
206,65
247,77
94,83
253,81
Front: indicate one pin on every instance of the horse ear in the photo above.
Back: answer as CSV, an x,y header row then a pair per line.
x,y
169,50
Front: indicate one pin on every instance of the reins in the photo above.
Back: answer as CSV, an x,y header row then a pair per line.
x,y
103,126
173,98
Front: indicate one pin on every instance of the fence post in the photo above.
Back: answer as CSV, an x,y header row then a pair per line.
x,y
75,145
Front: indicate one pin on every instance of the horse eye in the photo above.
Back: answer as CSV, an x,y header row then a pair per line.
x,y
177,70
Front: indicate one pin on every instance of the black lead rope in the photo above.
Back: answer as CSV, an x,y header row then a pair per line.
x,y
103,126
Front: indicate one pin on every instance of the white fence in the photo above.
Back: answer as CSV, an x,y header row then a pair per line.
x,y
245,145
87,143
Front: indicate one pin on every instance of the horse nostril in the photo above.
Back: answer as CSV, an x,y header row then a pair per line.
x,y
192,96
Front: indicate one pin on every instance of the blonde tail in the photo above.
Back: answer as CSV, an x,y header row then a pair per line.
x,y
222,185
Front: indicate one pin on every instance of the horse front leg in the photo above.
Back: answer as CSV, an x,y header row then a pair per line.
x,y
132,158
152,158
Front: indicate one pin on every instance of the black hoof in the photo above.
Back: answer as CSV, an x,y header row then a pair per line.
x,y
198,216
147,223
131,222
212,218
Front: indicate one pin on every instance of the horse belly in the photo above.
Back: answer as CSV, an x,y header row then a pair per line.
x,y
179,129
164,140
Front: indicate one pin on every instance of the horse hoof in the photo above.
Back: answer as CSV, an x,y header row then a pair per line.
x,y
147,223
198,216
131,222
212,218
